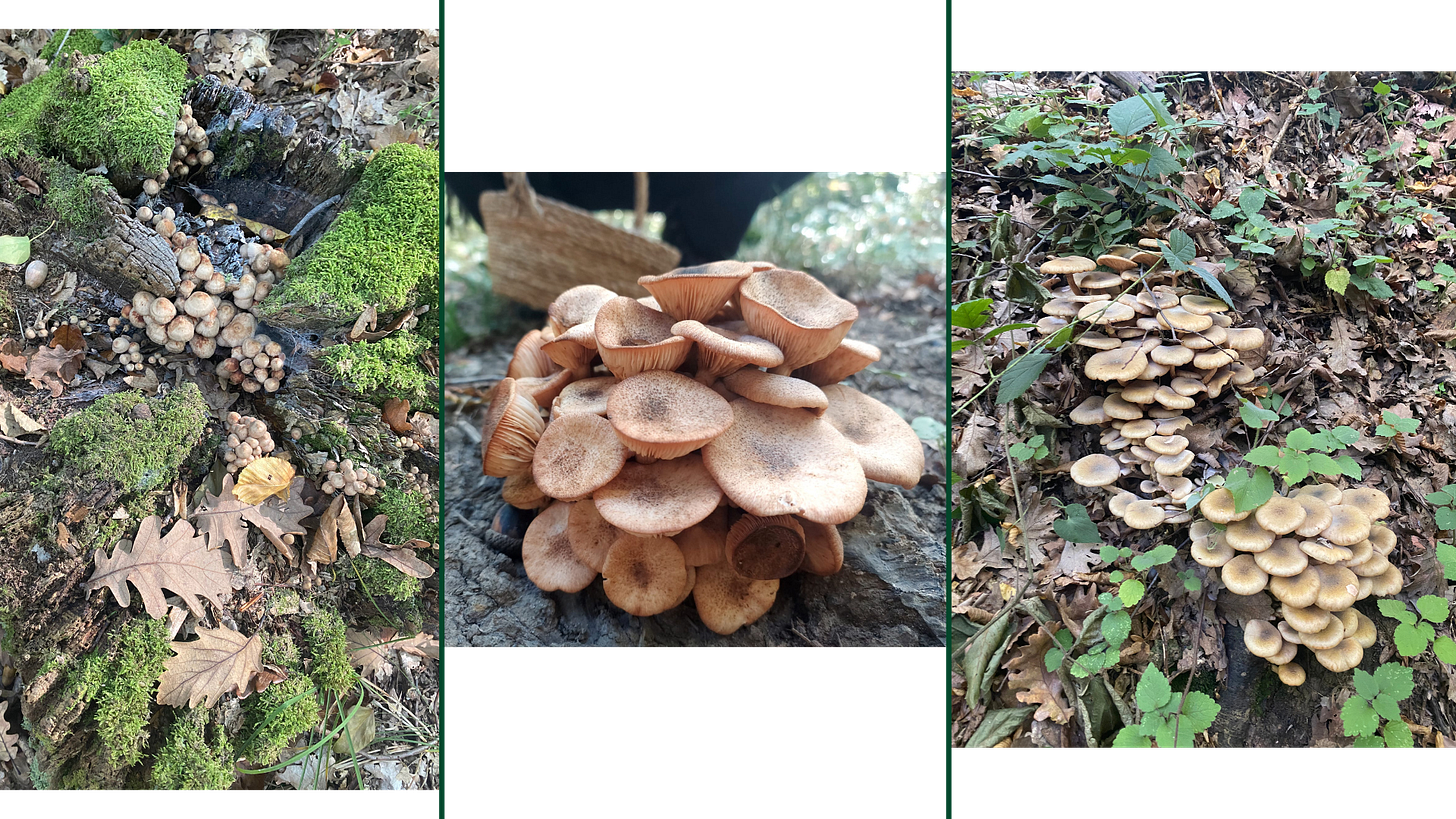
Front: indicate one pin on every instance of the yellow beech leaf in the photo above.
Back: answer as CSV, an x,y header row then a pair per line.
x,y
263,478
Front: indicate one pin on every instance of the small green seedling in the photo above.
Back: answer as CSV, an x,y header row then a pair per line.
x,y
1303,453
1444,499
1395,425
1033,450
1415,634
1112,618
1378,696
1168,719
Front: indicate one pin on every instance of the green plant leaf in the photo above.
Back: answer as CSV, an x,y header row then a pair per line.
x,y
1445,649
1406,425
1131,591
1365,684
1396,610
1439,498
1077,527
1266,455
1295,467
1359,717
1348,467
1223,210
1368,742
1153,690
1107,554
1398,735
1129,737
1183,247
1324,465
1053,659
1337,279
1251,201
1199,711
998,725
971,314
1433,608
1386,707
1396,680
1249,491
1116,626
1211,279
1408,640
1019,377
1446,556
1445,520
1344,434
1134,113
1156,556
1255,416
14,249
1426,630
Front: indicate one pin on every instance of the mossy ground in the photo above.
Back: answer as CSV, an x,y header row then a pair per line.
x,y
188,761
109,441
388,368
409,516
380,247
385,596
120,684
281,711
75,40
116,109
75,198
330,651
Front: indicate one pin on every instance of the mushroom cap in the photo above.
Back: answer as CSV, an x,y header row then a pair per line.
x,y
765,548
240,328
588,395
1122,364
823,549
1243,576
1300,591
1248,536
778,390
1348,526
887,448
1305,620
1262,639
1382,539
1244,338
547,555
1327,637
576,305
577,455
796,312
1387,584
1339,587
1289,634
1143,514
703,542
1212,552
776,461
1280,515
1316,515
721,351
1374,503
1202,305
1122,410
1364,632
1283,559
1179,319
1066,265
848,358
545,390
1291,674
727,601
658,498
1342,657
522,492
1139,430
508,436
572,349
1324,552
1165,444
1285,655
1361,555
1096,470
1089,412
1218,506
633,338
590,534
1140,392
696,293
644,575
1326,492
1168,465
662,414
1171,399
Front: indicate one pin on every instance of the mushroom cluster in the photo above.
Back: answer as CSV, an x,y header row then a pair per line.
x,y
255,364
343,476
1160,351
190,152
1317,551
697,441
247,441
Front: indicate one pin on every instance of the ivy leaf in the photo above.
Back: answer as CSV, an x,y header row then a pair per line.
x,y
1199,711
1445,649
1365,684
1396,680
1018,378
1396,610
1398,735
1359,717
1077,527
1153,690
1131,591
1107,554
1251,201
1433,608
1408,641
1116,626
1296,467
1324,465
1157,556
1249,491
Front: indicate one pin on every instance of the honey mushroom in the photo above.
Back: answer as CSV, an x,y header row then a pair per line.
x,y
698,443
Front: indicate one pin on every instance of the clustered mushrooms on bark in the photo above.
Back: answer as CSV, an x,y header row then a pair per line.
x,y
697,443
348,479
1317,551
189,154
248,440
1160,351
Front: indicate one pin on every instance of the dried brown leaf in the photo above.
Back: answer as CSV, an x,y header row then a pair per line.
x,y
220,518
370,651
180,562
264,478
279,517
9,743
324,548
400,557
396,414
220,661
12,356
54,367
1034,684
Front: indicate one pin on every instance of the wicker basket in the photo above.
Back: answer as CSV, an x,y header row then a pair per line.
x,y
540,247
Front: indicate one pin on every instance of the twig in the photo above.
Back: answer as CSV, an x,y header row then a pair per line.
x,y
8,439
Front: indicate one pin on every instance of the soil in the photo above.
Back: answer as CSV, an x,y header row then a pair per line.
x,y
890,592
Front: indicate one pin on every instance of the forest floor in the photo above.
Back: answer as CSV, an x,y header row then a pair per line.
x,y
1321,205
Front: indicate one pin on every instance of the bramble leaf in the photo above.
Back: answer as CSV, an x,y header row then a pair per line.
x,y
1398,735
1408,641
1396,610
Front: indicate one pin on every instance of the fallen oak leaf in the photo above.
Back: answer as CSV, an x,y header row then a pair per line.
x,y
54,367
324,548
220,518
262,479
15,423
370,652
1034,684
12,357
180,562
219,662
285,517
400,557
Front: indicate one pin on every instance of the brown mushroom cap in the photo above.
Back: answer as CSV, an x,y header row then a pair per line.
x,y
1348,526
1342,657
508,436
547,555
664,497
696,293
633,338
1218,506
727,601
1387,584
573,349
1339,587
1327,637
529,361
644,575
703,542
1382,539
1300,591
1280,515
722,351
796,312
589,395
1096,470
765,548
1143,514
1329,494
1283,559
887,448
1212,552
577,305
577,455
591,536
1122,364
1291,674
823,549
848,358
1089,412
1307,620
1262,639
1324,552
666,415
1316,515
1243,576
1066,266
1285,655
1248,536
778,390
1364,632
1122,410
522,492
776,461
1374,503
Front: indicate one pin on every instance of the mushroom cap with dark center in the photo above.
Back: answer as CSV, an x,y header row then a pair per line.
x,y
1122,364
1248,536
577,305
702,543
765,548
1306,620
1316,515
848,358
1280,515
1342,657
1326,492
1242,576
726,601
721,351
659,498
666,415
547,555
1096,470
887,448
1374,503
1212,552
1300,591
577,455
776,461
633,338
1291,674
529,361
1262,639
778,390
1066,265
696,293
1283,559
1143,514
508,436
1327,637
1348,526
590,534
797,313
589,395
1339,588
644,575
1218,506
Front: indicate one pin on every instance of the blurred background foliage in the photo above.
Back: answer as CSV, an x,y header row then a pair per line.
x,y
856,231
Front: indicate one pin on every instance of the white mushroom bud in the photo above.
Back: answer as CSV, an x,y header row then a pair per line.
x,y
167,227
261,361
200,303
277,259
185,287
35,274
276,363
144,214
249,385
181,129
162,311
217,284
271,385
173,347
239,329
120,344
209,325
203,346
151,187
251,347
246,365
168,213
204,157
259,263
157,333
196,134
242,303
205,269
267,278
247,284
141,303
189,257
225,312
179,152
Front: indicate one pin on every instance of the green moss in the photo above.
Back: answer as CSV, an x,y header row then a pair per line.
x,y
120,683
383,580
283,710
107,440
76,199
388,368
187,761
330,650
20,116
378,249
77,40
409,516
